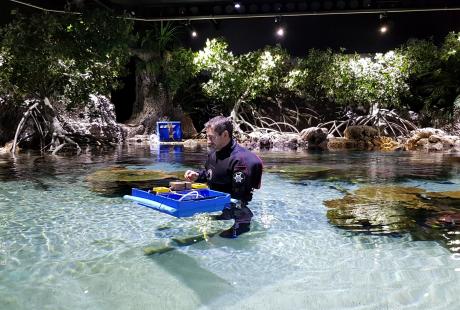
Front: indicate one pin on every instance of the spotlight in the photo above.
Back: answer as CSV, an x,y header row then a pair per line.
x,y
383,24
192,30
280,32
237,5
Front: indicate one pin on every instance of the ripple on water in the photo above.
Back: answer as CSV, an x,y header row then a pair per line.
x,y
67,246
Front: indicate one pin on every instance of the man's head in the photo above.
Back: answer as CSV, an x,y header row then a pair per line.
x,y
219,132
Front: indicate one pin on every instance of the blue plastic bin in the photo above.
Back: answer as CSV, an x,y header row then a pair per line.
x,y
182,203
169,131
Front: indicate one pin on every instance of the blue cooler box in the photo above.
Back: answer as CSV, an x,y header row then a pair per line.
x,y
182,203
169,131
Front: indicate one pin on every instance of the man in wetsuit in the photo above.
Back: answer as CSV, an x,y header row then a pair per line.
x,y
232,169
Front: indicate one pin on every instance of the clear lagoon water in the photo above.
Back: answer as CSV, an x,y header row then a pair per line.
x,y
64,246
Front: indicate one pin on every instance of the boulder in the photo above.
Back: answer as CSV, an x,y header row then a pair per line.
x,y
386,143
314,137
265,141
285,140
6,148
130,131
432,140
361,132
195,143
98,120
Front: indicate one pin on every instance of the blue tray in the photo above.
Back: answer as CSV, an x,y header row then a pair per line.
x,y
181,203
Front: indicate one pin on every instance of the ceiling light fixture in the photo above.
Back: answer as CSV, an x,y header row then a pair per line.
x,y
279,27
383,24
192,30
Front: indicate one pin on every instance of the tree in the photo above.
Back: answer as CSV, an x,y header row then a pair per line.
x,y
239,80
50,58
433,76
308,75
162,69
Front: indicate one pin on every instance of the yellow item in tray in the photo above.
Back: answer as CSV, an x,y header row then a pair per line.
x,y
199,185
160,189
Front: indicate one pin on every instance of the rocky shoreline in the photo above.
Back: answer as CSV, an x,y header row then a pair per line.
x,y
96,127
363,138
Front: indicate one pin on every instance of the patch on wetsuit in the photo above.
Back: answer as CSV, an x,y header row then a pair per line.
x,y
239,177
209,174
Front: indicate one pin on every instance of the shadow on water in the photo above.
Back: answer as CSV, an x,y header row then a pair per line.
x,y
206,285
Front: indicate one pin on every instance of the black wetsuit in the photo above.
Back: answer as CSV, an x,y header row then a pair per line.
x,y
237,171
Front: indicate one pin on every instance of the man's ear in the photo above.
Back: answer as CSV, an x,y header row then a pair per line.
x,y
226,134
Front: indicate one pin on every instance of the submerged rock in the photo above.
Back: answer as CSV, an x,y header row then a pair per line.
x,y
299,172
119,180
391,209
349,144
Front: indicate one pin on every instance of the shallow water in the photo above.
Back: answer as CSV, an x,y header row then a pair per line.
x,y
63,246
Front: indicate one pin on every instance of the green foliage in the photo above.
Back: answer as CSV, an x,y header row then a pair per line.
x,y
450,51
350,79
321,76
422,57
67,56
163,37
309,75
172,66
238,79
380,80
180,68
434,76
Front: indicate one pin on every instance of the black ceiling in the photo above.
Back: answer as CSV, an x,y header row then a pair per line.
x,y
190,9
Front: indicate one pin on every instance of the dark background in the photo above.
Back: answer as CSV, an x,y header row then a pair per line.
x,y
354,32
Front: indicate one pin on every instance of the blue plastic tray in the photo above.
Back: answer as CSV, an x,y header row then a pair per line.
x,y
182,203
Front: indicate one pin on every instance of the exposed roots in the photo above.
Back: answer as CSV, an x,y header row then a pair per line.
x,y
42,119
387,122
248,119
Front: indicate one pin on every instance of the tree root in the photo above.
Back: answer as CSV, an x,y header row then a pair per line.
x,y
387,122
247,119
45,123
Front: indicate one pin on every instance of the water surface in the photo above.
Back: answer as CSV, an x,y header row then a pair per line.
x,y
63,246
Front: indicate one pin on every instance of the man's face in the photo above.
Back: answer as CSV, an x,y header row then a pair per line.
x,y
216,141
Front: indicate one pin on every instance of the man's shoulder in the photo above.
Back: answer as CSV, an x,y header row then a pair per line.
x,y
242,153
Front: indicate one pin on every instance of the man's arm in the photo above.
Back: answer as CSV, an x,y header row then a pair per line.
x,y
197,176
247,174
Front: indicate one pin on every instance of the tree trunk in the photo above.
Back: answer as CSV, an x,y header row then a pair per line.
x,y
153,103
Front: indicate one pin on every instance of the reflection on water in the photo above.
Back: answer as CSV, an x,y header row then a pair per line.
x,y
61,243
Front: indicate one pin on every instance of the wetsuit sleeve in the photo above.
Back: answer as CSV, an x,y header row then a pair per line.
x,y
202,178
246,176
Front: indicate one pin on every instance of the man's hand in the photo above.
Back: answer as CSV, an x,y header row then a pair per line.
x,y
191,175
